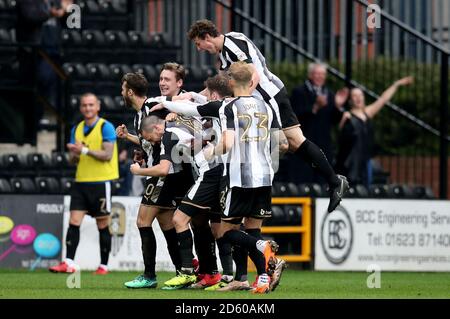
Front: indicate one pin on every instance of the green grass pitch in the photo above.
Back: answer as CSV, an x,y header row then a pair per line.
x,y
295,284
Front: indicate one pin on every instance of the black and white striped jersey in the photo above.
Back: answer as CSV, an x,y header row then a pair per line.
x,y
237,47
209,113
151,151
182,142
249,162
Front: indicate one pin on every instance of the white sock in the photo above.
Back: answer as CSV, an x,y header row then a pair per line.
x,y
261,245
104,267
227,278
69,261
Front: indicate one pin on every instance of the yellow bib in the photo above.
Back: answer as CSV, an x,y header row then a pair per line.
x,y
90,169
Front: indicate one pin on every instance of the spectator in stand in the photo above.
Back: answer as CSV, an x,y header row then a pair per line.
x,y
31,30
51,44
317,109
356,136
124,170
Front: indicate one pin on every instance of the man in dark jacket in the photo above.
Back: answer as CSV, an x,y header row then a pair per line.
x,y
317,109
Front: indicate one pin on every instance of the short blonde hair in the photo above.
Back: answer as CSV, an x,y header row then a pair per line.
x,y
241,72
97,100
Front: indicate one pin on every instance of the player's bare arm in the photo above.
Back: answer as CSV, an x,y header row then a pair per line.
x,y
162,169
122,132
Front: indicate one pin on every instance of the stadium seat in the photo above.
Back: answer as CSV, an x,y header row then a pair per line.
x,y
399,191
423,192
280,190
293,214
59,160
105,7
23,185
5,36
76,70
135,38
378,191
13,161
116,186
71,38
117,71
278,217
94,38
47,185
37,160
74,102
98,71
108,104
304,190
66,184
116,38
148,70
358,191
158,39
120,103
5,186
90,6
195,74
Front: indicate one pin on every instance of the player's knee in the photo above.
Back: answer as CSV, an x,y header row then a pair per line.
x,y
180,220
295,138
141,221
102,223
75,221
215,232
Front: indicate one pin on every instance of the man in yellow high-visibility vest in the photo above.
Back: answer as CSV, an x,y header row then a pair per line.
x,y
93,147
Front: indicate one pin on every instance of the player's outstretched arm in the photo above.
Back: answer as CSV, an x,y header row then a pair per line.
x,y
183,108
162,169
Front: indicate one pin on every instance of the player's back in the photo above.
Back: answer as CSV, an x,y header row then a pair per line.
x,y
179,141
238,47
249,161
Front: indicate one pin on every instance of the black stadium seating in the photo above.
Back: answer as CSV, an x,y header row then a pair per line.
x,y
23,185
47,185
5,186
66,184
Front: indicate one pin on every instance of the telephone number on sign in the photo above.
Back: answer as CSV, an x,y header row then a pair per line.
x,y
420,240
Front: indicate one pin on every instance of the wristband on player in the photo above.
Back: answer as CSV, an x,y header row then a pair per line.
x,y
84,150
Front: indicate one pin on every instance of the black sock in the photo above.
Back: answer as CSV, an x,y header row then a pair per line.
x,y
313,155
225,256
72,240
105,245
200,250
255,232
240,257
172,247
256,255
240,238
185,244
205,247
148,251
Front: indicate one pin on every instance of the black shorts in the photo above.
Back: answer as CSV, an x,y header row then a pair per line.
x,y
166,192
247,202
287,115
90,197
205,194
